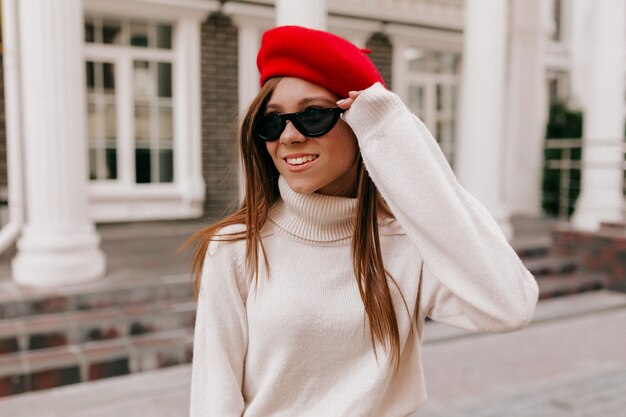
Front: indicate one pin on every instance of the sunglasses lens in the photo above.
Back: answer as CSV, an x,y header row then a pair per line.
x,y
316,121
268,127
312,122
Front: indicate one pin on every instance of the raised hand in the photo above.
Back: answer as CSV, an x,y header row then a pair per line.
x,y
347,102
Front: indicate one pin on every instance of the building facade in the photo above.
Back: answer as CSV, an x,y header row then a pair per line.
x,y
138,102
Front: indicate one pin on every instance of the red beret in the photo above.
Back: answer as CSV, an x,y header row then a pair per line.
x,y
316,56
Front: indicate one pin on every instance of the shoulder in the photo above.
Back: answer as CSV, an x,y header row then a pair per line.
x,y
224,261
226,239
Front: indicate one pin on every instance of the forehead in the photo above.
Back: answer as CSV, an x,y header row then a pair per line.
x,y
291,92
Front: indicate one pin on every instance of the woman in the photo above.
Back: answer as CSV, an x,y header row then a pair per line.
x,y
312,296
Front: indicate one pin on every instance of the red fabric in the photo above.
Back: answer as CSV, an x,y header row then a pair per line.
x,y
316,56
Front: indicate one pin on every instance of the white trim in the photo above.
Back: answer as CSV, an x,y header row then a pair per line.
x,y
341,24
116,210
435,39
145,202
445,13
356,31
111,191
557,55
125,124
260,15
160,9
111,52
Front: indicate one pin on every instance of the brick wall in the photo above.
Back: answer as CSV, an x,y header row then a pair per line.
x,y
602,251
219,115
381,55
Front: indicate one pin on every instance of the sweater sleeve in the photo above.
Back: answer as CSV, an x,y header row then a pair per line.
x,y
472,277
220,336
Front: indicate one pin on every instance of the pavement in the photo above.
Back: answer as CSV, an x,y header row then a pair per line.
x,y
570,361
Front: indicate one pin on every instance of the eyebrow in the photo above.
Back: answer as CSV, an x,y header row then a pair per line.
x,y
302,102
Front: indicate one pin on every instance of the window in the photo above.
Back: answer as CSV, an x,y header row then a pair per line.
x,y
143,73
153,121
101,120
139,54
432,87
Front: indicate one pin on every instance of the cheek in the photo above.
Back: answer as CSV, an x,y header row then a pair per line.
x,y
271,148
347,145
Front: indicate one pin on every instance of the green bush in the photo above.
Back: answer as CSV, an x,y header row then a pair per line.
x,y
563,123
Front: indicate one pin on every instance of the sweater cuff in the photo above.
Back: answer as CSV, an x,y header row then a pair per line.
x,y
374,109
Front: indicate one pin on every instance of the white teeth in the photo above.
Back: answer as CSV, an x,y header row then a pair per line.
x,y
301,160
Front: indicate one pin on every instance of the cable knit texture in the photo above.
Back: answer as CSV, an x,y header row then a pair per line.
x,y
299,343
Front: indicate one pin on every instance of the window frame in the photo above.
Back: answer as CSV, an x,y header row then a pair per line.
x,y
123,58
123,199
404,78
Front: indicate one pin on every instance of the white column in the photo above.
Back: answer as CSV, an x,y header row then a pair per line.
x,y
309,13
481,156
526,107
187,102
59,244
601,197
578,41
249,42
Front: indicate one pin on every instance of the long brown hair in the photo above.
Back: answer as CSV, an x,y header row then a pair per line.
x,y
261,192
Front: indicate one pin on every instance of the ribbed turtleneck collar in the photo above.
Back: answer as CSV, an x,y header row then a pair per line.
x,y
313,217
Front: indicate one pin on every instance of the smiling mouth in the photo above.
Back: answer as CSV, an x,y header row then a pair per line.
x,y
301,160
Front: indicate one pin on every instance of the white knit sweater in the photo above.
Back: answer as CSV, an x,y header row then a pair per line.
x,y
300,344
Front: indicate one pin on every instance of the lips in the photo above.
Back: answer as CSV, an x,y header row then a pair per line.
x,y
299,160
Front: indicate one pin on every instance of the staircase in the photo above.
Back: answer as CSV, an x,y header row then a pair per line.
x,y
116,327
557,275
138,319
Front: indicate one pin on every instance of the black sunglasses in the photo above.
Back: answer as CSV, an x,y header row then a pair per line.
x,y
313,122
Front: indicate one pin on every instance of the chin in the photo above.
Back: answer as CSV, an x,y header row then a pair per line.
x,y
302,186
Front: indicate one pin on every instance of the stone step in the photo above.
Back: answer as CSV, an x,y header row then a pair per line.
x,y
46,368
531,247
17,300
549,265
616,227
76,327
559,285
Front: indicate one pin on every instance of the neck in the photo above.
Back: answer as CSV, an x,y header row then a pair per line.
x,y
314,217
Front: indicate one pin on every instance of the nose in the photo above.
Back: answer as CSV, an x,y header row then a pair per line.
x,y
291,134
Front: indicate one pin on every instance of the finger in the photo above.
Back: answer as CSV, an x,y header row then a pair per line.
x,y
345,103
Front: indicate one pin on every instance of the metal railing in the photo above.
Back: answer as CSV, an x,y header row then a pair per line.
x,y
565,158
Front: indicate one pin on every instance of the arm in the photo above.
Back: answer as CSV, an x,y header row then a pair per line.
x,y
220,337
473,278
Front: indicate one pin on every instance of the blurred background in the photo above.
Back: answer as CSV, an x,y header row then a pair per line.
x,y
118,125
